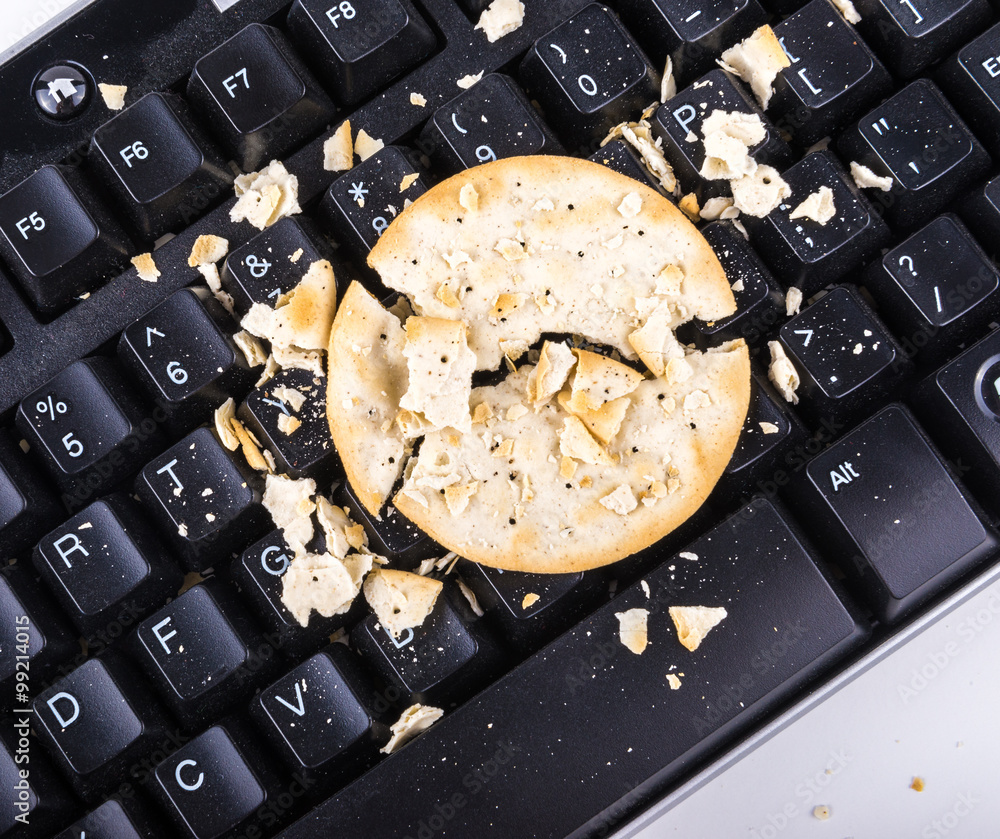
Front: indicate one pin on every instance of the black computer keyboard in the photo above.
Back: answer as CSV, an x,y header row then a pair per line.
x,y
152,682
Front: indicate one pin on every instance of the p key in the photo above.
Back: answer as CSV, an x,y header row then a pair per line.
x,y
258,95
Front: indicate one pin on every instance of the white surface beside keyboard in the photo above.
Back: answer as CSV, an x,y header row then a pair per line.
x,y
929,709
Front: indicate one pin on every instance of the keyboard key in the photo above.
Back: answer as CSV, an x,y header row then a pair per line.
x,y
202,652
887,504
588,74
911,34
529,610
847,359
437,663
359,46
960,407
936,289
760,303
257,574
390,534
361,203
785,626
492,119
258,96
159,165
107,565
679,123
40,800
206,502
622,158
97,721
88,428
114,819
57,241
971,80
28,508
183,355
804,253
692,33
220,784
322,717
263,268
916,138
980,209
308,451
833,75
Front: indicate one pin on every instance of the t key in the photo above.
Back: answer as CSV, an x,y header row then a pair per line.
x,y
916,138
159,164
183,354
359,46
201,498
88,427
832,78
258,95
492,119
589,74
57,240
888,504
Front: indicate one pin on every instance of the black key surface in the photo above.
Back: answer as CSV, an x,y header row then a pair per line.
x,y
804,253
767,648
56,239
122,818
258,96
258,573
358,46
324,717
679,122
160,166
891,514
219,784
390,534
980,209
183,354
203,652
692,33
916,138
760,302
207,503
847,359
37,802
492,119
911,34
361,203
971,80
28,507
107,564
89,428
588,74
293,395
936,289
437,663
833,75
96,721
272,262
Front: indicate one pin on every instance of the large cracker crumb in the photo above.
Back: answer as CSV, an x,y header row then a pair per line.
x,y
323,583
338,150
113,95
817,206
468,81
440,366
632,629
251,348
865,178
250,448
782,373
400,599
631,205
759,193
729,136
846,8
693,623
501,18
621,500
145,267
264,197
793,301
418,99
365,145
470,597
413,720
719,207
468,198
207,249
757,60
668,85
689,206
290,503
224,416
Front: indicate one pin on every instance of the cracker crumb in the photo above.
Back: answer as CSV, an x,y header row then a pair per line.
x,y
295,257
689,206
468,198
470,596
515,412
917,784
501,18
224,415
251,348
668,85
757,60
365,145
846,8
858,349
401,600
264,197
793,301
457,496
207,249
146,268
782,373
113,95
696,399
511,250
865,178
621,500
632,629
693,623
291,505
468,81
250,448
418,99
288,424
718,207
673,681
631,205
338,150
413,720
759,193
529,600
768,427
691,557
408,181
322,582
821,812
817,206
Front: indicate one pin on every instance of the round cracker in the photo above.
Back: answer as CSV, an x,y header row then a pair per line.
x,y
516,249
